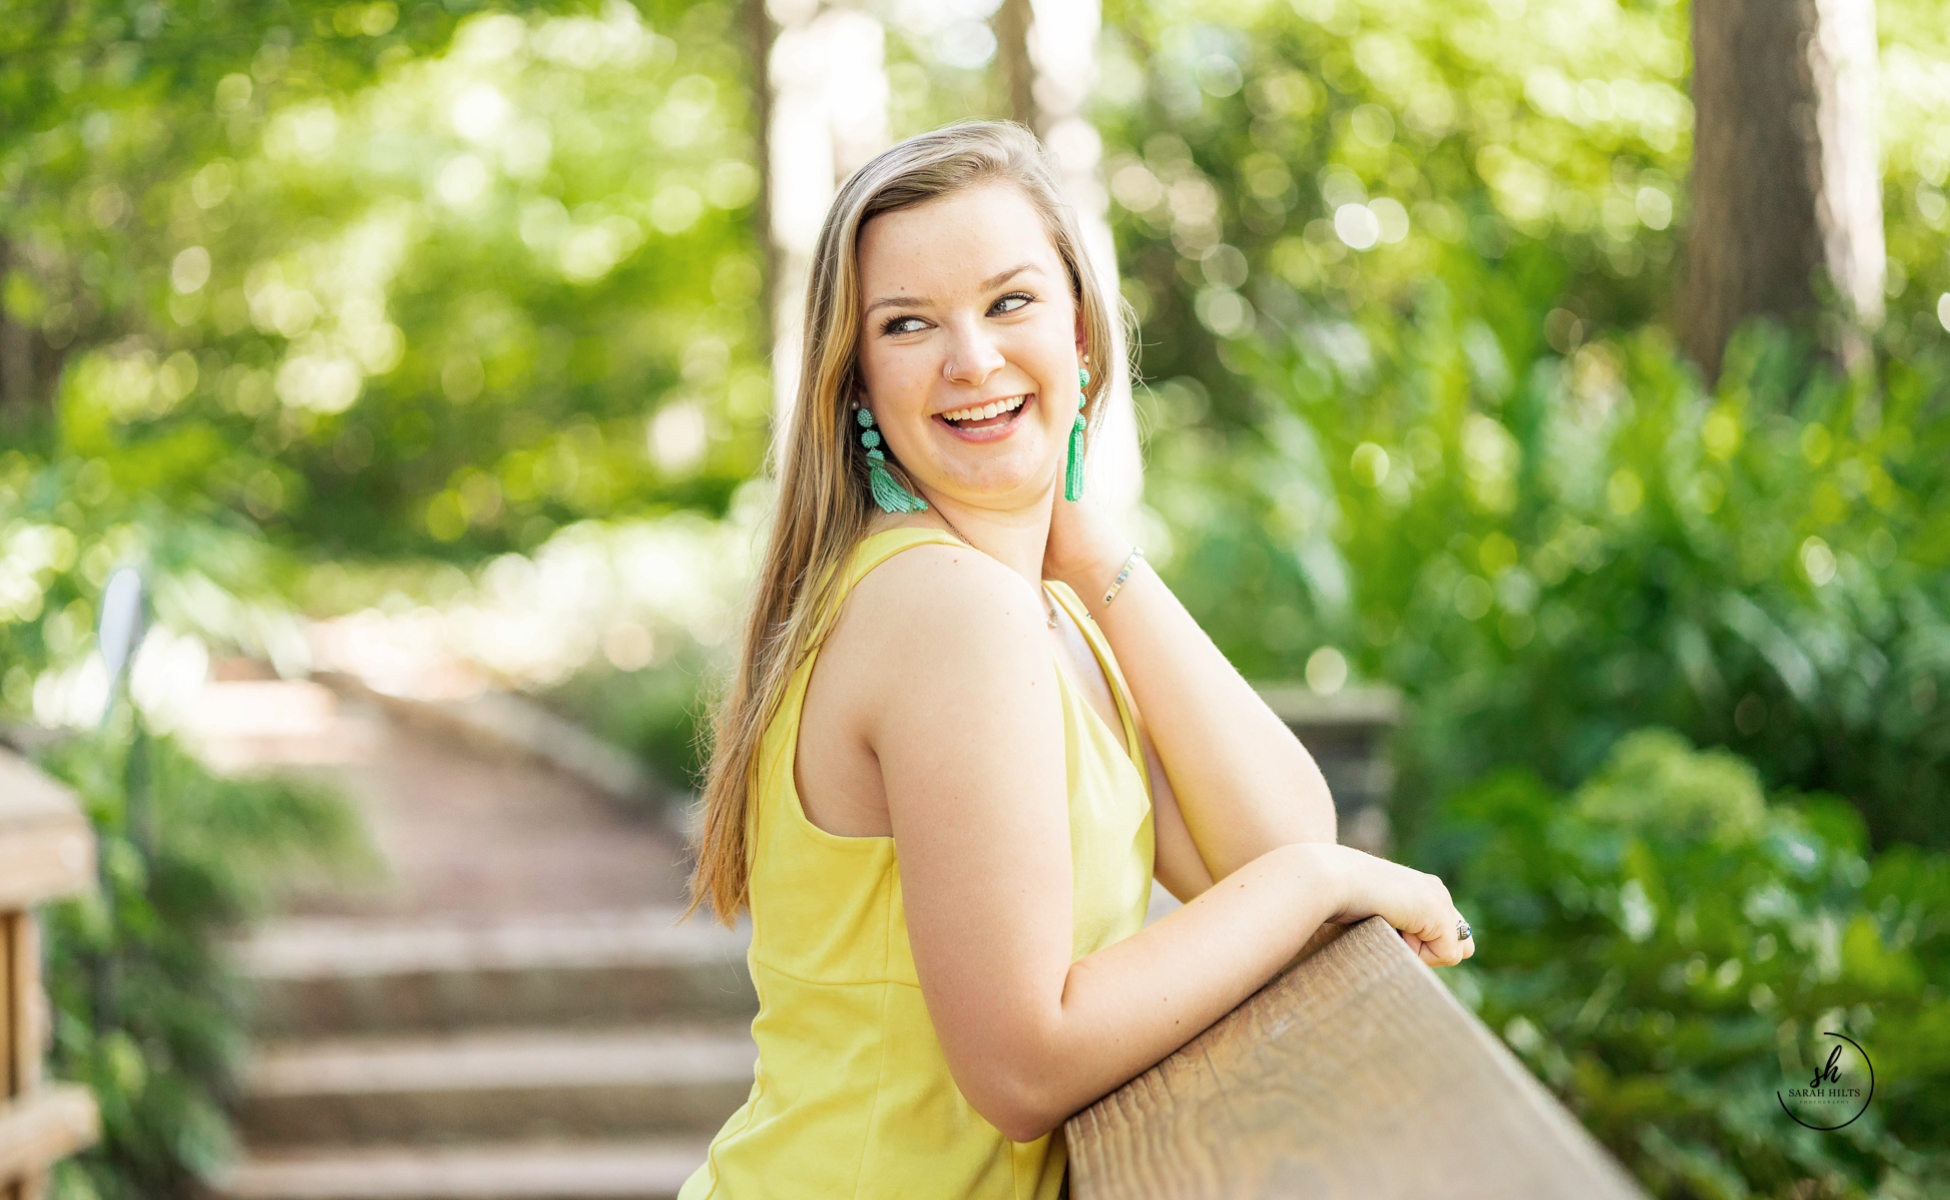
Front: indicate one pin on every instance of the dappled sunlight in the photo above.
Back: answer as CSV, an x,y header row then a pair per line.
x,y
422,363
628,593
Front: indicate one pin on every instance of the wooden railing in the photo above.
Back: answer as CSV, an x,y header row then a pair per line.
x,y
47,850
1354,1075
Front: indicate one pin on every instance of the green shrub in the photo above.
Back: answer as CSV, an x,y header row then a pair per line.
x,y
1604,547
146,1012
1447,436
656,714
1664,948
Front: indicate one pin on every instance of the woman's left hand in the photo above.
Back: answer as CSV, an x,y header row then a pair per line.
x,y
1085,548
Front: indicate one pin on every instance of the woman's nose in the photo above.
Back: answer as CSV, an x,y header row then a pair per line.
x,y
972,356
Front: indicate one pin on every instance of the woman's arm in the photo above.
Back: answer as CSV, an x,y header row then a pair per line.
x,y
1244,783
960,709
1176,862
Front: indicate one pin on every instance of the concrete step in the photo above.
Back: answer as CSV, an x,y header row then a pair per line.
x,y
501,1086
330,976
624,1170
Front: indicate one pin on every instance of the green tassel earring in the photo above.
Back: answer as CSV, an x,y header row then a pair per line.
x,y
1073,470
888,494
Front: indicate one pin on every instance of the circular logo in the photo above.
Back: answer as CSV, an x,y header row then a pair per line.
x,y
1839,1091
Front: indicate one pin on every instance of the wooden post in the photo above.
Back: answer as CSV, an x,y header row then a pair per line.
x,y
1346,734
47,850
1354,1075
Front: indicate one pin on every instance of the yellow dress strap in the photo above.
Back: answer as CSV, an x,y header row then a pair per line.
x,y
1119,690
877,548
869,553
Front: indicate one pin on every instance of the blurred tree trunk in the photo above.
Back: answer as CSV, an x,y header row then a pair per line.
x,y
1787,191
1012,22
827,116
1047,53
16,358
760,33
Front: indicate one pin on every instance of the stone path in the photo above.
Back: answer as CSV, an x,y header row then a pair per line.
x,y
507,1009
461,831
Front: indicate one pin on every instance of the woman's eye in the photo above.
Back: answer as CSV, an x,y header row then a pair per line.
x,y
901,325
1010,303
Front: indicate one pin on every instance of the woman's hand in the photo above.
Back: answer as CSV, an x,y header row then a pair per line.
x,y
1085,549
1414,902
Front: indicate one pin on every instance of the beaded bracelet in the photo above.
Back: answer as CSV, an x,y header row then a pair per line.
x,y
1130,564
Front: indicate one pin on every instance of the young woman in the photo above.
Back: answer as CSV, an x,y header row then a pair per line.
x,y
969,726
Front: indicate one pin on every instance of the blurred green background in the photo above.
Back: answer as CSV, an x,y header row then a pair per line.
x,y
433,312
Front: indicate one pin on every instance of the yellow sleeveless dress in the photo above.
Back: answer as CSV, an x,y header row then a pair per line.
x,y
853,1098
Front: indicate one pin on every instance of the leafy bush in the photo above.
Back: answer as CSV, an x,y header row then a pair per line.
x,y
1664,948
1763,569
248,281
656,713
146,1012
1401,269
1602,548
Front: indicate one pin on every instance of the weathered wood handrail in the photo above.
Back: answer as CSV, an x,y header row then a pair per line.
x,y
47,850
1354,1075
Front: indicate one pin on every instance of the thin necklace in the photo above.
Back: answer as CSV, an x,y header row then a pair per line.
x,y
1049,607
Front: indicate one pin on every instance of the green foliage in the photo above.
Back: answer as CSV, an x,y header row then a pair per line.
x,y
386,281
1276,167
1600,549
1916,141
656,713
64,527
1399,270
145,1010
105,102
390,282
1665,949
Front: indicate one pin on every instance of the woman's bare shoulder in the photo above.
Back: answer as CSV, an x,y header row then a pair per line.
x,y
935,584
936,612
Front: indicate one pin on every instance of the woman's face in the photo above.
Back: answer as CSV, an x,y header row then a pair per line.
x,y
969,343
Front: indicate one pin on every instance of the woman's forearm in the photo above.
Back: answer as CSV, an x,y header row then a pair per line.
x,y
1244,783
1130,1004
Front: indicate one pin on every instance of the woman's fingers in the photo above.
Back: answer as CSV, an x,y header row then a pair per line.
x,y
1437,938
1415,903
1438,952
1448,947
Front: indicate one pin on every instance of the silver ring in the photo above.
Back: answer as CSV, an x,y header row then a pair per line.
x,y
1462,931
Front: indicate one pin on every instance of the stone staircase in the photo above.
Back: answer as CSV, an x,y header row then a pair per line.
x,y
550,1057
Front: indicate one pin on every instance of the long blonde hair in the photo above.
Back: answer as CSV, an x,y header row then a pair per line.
x,y
823,508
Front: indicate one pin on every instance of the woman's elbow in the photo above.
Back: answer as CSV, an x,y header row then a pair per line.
x,y
1027,1122
1017,1102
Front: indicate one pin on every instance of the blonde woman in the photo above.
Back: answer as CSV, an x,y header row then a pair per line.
x,y
969,726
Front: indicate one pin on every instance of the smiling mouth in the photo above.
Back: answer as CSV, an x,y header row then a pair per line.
x,y
986,416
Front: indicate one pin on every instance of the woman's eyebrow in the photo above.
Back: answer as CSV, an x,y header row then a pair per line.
x,y
896,302
993,281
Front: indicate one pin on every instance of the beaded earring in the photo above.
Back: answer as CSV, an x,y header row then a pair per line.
x,y
887,493
1073,470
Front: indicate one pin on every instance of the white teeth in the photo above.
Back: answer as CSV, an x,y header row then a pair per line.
x,y
986,411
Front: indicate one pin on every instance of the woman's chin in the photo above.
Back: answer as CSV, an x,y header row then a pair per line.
x,y
994,485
